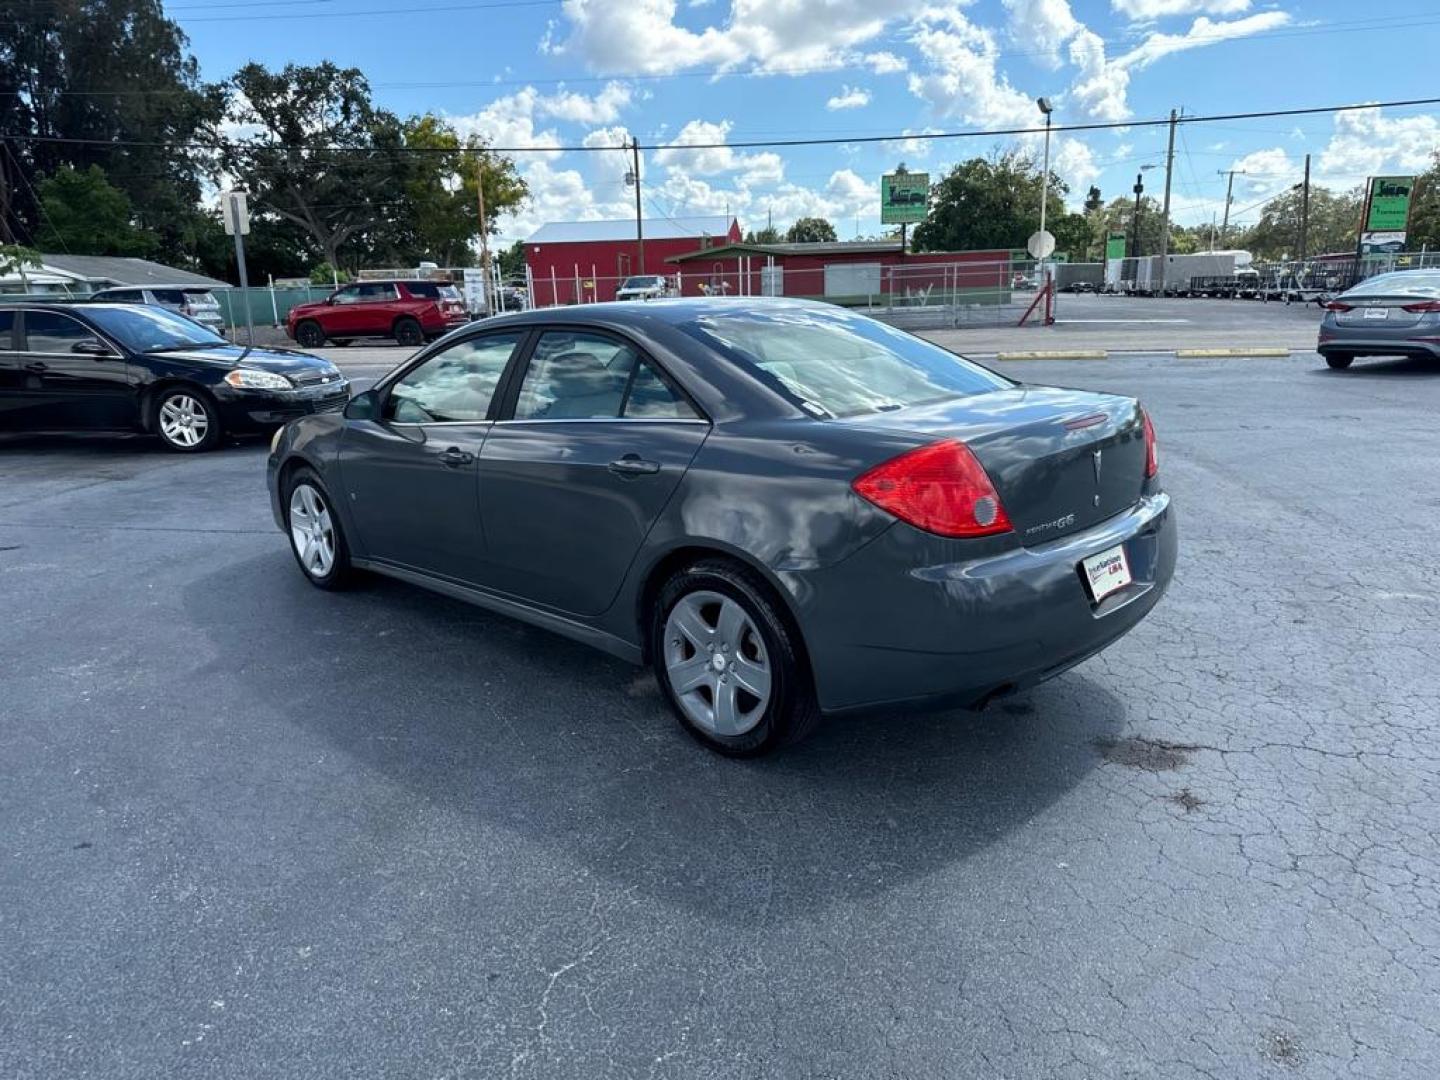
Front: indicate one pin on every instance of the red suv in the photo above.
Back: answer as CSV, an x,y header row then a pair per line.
x,y
408,311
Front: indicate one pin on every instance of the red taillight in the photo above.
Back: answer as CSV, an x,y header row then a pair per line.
x,y
1337,305
940,488
1152,448
1423,307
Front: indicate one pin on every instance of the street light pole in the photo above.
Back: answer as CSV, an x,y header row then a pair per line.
x,y
1165,227
1046,109
1229,187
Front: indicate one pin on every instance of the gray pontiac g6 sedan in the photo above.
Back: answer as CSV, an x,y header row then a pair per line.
x,y
788,509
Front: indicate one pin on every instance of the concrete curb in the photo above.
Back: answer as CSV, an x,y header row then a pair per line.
x,y
1055,354
1196,354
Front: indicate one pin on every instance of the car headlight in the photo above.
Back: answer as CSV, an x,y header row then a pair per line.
x,y
250,379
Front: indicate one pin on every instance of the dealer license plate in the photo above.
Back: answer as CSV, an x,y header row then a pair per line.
x,y
1377,313
1106,572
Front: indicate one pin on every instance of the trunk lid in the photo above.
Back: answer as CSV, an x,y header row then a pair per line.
x,y
1380,312
1061,460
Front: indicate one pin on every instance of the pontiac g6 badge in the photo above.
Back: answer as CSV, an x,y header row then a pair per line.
x,y
1095,460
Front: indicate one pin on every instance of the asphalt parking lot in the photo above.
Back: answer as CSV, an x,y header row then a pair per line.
x,y
252,829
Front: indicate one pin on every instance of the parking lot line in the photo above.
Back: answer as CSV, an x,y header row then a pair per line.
x,y
1054,354
1194,354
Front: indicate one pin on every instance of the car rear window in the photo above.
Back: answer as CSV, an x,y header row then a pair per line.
x,y
1400,283
433,290
840,363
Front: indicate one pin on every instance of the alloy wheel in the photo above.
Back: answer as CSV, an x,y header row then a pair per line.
x,y
311,530
716,662
184,420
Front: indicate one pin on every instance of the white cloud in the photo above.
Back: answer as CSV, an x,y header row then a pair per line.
x,y
961,78
1266,170
1101,86
1144,10
913,147
1042,26
510,121
1074,162
603,108
885,63
1202,32
1366,142
850,97
711,157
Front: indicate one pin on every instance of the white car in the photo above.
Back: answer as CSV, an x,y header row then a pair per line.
x,y
644,287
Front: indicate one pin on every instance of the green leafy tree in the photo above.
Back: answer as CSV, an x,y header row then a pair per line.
x,y
767,235
1424,228
16,259
325,274
1072,236
82,213
988,202
811,230
1332,224
1093,201
143,132
1119,216
512,260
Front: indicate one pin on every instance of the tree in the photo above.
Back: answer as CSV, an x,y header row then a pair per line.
x,y
16,257
357,178
1424,230
811,230
1119,216
1332,224
1072,236
82,213
1093,201
767,235
988,202
143,132
512,260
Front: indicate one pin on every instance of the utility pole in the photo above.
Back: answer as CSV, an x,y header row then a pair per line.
x,y
1229,187
1135,224
639,226
1165,228
484,237
1305,209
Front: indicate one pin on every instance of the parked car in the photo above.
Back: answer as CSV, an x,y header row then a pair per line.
x,y
133,367
193,301
1395,314
785,507
408,311
644,287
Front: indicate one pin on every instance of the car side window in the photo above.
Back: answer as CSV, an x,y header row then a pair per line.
x,y
573,375
170,296
50,332
348,295
371,294
652,398
7,331
454,385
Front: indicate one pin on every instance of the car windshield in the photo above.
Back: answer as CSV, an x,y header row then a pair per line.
x,y
1400,283
144,329
640,283
841,363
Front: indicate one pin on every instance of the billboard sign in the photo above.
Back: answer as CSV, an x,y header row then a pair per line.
x,y
1115,246
904,198
1387,210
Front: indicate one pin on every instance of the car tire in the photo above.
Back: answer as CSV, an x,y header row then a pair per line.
x,y
317,539
1339,361
759,694
186,419
408,332
309,334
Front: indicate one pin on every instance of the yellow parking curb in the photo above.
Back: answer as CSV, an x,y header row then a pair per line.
x,y
1055,354
1195,354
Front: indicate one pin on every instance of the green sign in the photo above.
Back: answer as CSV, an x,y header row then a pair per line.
x,y
904,197
1115,246
1388,209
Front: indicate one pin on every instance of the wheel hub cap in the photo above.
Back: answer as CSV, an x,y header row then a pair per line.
x,y
716,663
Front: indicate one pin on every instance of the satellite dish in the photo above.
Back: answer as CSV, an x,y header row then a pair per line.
x,y
1041,245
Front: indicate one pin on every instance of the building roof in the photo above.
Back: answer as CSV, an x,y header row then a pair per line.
x,y
114,270
829,247
670,228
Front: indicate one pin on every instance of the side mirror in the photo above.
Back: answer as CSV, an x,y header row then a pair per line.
x,y
92,347
363,406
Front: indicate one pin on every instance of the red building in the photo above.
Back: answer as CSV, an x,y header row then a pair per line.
x,y
582,261
853,272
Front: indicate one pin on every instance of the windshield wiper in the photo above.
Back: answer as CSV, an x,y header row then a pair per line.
x,y
186,345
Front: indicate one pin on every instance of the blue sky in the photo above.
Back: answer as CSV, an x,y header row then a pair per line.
x,y
570,72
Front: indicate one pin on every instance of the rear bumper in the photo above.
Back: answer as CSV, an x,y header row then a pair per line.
x,y
249,411
895,625
1399,345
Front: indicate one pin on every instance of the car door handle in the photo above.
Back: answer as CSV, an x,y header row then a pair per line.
x,y
454,457
634,465
37,367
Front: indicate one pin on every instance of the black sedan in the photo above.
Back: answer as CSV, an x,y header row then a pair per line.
x,y
132,367
786,508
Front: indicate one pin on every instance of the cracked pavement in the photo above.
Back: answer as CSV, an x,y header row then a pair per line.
x,y
250,829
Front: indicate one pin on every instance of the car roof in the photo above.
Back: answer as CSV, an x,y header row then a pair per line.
x,y
154,285
674,311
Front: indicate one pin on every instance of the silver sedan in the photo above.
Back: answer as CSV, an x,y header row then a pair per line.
x,y
1394,314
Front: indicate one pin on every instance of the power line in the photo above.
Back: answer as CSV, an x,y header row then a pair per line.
x,y
934,136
